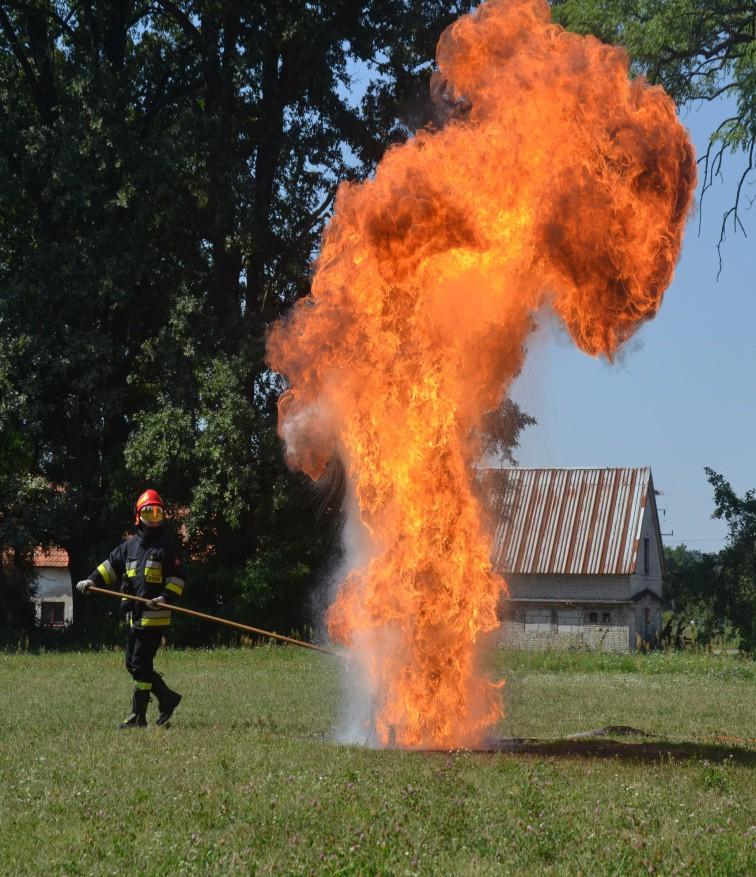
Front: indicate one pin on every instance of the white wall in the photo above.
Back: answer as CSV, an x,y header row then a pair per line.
x,y
54,585
652,580
542,627
648,619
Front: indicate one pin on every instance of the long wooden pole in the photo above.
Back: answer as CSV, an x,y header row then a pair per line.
x,y
217,620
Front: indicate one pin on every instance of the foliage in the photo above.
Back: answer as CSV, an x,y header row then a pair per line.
x,y
691,585
697,50
16,592
16,545
166,170
736,597
501,429
250,781
716,592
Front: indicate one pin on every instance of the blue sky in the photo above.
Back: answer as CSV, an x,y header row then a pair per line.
x,y
681,396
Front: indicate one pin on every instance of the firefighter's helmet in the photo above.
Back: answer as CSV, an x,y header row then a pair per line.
x,y
149,509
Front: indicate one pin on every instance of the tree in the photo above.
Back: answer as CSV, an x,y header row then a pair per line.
x,y
736,596
16,547
165,173
501,428
695,49
691,583
16,571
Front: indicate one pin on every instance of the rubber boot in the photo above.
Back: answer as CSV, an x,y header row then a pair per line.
x,y
167,700
138,716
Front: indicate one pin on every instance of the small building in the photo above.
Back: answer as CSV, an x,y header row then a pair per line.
x,y
54,596
581,552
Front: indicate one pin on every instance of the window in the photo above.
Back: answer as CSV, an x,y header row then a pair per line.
x,y
554,621
606,618
570,621
537,621
593,617
646,546
52,614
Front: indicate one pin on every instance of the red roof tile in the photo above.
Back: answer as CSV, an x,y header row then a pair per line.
x,y
50,557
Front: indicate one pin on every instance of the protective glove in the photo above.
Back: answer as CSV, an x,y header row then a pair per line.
x,y
155,602
83,586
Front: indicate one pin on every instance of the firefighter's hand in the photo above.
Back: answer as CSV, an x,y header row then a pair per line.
x,y
83,586
156,601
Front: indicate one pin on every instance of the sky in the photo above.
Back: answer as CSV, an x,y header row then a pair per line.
x,y
682,394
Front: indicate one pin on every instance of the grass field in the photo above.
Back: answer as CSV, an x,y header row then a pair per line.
x,y
249,781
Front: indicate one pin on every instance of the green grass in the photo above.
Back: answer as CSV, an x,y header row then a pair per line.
x,y
248,780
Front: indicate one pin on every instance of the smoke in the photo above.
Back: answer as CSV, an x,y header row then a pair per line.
x,y
556,182
357,548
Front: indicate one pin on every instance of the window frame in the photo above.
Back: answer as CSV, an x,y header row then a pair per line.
x,y
55,610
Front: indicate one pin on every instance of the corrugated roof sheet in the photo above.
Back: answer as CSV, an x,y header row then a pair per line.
x,y
57,557
566,521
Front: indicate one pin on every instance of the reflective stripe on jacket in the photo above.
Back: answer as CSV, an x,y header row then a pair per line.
x,y
150,567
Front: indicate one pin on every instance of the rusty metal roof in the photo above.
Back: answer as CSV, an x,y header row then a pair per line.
x,y
566,521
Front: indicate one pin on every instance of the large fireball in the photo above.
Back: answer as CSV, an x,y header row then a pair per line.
x,y
556,181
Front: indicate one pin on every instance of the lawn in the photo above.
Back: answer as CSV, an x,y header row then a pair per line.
x,y
249,780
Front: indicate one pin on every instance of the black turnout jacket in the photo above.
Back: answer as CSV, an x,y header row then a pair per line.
x,y
147,564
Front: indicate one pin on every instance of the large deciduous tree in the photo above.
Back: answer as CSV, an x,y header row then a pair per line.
x,y
166,169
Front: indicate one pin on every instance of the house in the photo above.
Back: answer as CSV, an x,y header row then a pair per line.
x,y
54,597
581,552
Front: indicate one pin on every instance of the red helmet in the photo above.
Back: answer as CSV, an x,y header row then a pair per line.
x,y
149,497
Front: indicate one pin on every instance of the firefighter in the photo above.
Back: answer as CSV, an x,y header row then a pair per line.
x,y
149,566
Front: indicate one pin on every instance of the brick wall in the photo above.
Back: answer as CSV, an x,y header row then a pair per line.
x,y
534,627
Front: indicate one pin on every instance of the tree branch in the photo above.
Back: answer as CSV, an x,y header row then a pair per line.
x,y
166,7
733,211
18,51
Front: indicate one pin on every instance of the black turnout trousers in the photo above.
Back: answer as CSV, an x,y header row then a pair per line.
x,y
141,647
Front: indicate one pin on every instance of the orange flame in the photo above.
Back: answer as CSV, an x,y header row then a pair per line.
x,y
558,180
